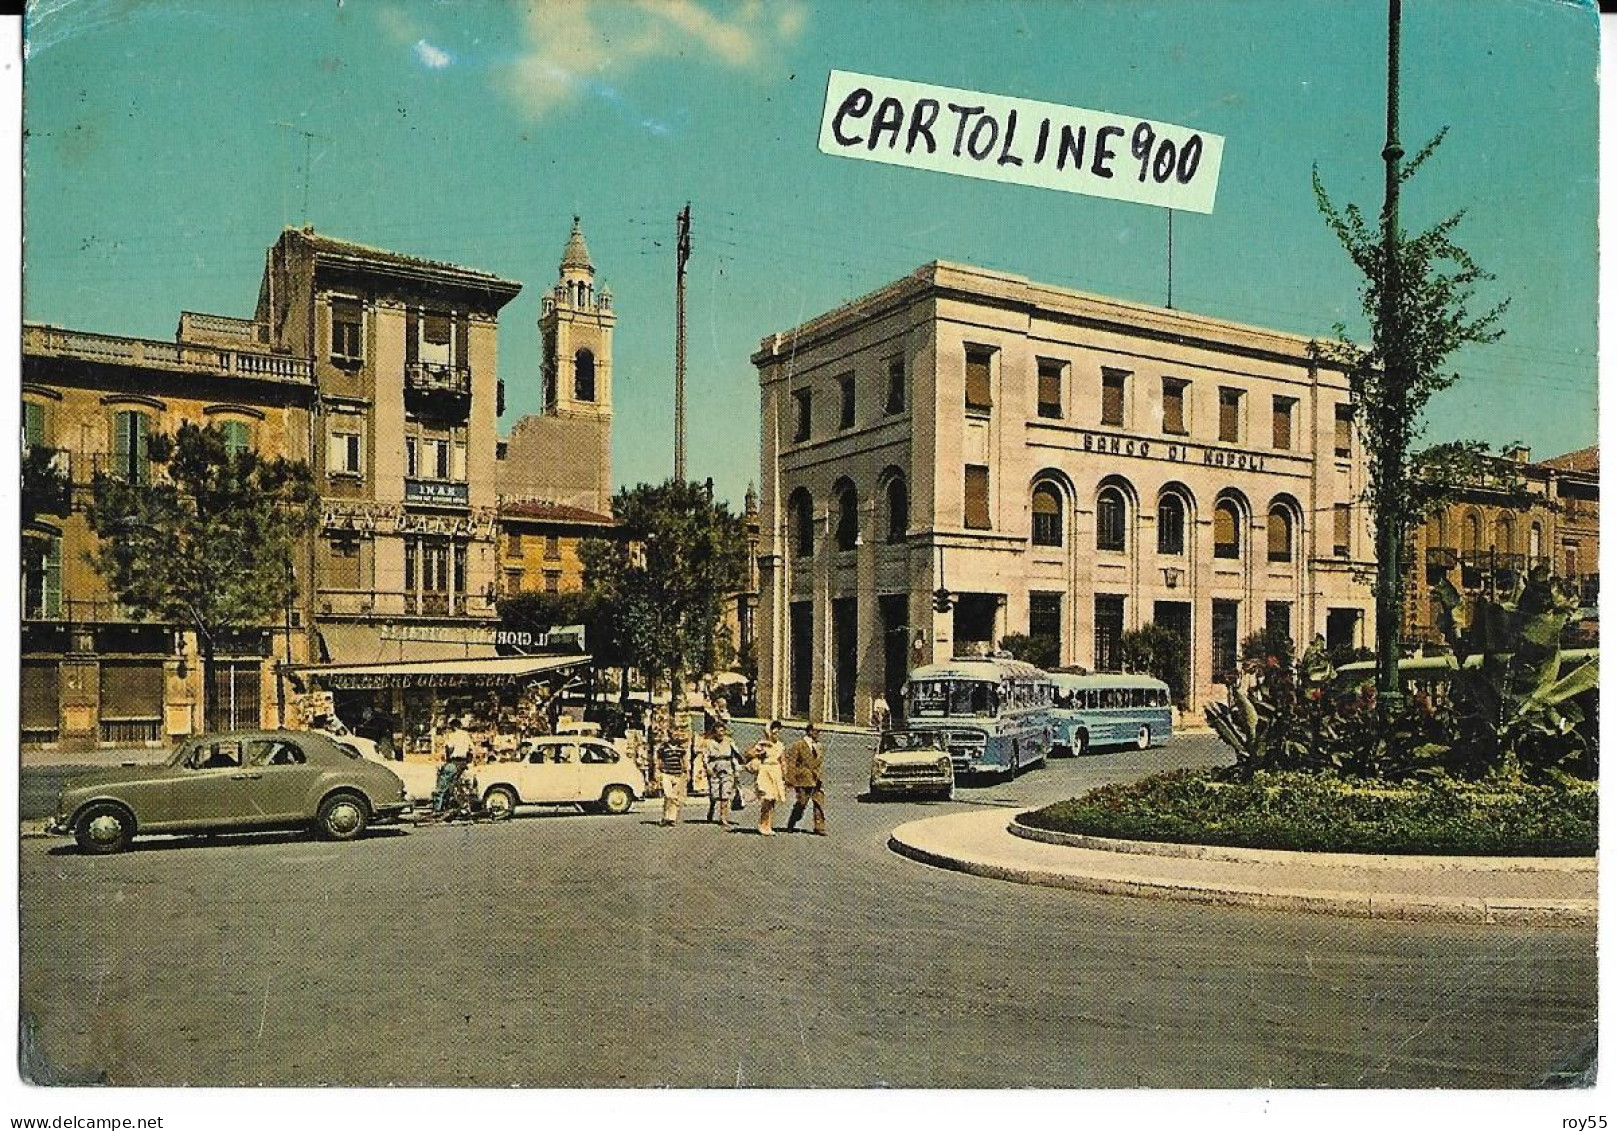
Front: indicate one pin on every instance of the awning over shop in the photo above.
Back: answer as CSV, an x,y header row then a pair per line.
x,y
349,644
491,671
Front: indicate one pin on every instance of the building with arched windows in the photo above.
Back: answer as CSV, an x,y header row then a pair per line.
x,y
1513,516
1066,465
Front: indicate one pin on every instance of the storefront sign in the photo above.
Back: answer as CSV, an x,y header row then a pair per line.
x,y
438,634
998,138
382,681
563,637
435,492
1135,447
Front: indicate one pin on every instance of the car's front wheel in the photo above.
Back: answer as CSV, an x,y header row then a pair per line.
x,y
1143,739
104,828
500,802
617,799
342,816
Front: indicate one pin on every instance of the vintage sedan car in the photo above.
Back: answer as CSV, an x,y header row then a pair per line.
x,y
561,770
420,778
237,781
912,761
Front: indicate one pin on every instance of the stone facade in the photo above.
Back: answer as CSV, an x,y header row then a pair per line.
x,y
1523,514
539,546
376,369
1066,465
92,675
405,355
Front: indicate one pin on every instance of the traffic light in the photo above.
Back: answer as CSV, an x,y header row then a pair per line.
x,y
942,600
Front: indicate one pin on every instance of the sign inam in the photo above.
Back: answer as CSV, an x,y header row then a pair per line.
x,y
998,138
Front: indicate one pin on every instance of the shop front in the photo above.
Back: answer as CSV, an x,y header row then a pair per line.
x,y
409,705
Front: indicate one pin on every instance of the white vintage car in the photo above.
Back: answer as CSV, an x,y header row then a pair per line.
x,y
419,778
562,770
912,761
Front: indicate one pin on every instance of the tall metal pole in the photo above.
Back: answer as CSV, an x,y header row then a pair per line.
x,y
682,252
1390,333
1170,259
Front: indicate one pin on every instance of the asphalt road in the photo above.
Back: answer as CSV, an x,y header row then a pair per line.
x,y
568,950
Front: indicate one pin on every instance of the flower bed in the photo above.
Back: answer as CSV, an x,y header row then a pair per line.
x,y
1321,813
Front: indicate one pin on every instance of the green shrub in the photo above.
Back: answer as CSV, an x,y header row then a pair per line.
x,y
1310,812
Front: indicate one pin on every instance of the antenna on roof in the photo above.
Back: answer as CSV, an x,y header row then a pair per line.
x,y
308,138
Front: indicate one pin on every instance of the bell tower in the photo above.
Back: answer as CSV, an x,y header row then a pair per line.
x,y
575,336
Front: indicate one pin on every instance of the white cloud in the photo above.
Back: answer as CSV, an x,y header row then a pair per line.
x,y
572,44
432,56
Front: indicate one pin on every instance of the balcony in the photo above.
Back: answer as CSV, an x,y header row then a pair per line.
x,y
171,357
428,377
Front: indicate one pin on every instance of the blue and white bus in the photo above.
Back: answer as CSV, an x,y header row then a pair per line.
x,y
1103,709
995,712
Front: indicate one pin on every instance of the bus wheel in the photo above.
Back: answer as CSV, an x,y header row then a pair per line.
x,y
1144,740
1080,742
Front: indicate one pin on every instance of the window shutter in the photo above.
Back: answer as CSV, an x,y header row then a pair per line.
x,y
53,580
457,470
120,444
462,346
412,337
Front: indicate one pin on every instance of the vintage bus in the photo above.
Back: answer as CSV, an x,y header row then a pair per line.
x,y
1103,709
995,712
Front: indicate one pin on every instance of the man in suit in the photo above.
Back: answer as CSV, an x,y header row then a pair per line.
x,y
805,773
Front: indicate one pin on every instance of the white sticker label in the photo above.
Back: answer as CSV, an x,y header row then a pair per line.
x,y
997,138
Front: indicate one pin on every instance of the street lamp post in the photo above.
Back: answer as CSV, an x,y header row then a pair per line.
x,y
1390,334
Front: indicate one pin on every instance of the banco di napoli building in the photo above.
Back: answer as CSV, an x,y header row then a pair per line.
x,y
1067,465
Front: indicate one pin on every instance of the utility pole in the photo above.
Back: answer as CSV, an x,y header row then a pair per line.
x,y
1395,379
682,252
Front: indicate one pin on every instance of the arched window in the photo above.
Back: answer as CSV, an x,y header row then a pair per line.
x,y
1111,512
800,510
1535,542
1280,528
1046,515
1504,534
584,376
1227,529
1170,525
1473,532
898,509
847,532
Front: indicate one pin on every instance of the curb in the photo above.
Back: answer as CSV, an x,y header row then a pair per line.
x,y
1295,859
1504,911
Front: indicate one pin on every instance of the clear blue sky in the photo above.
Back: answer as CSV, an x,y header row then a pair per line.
x,y
156,174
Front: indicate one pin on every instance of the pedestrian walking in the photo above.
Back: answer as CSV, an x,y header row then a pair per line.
x,y
880,716
722,761
805,773
673,764
765,761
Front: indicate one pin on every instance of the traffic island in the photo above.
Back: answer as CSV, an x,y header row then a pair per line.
x,y
1538,891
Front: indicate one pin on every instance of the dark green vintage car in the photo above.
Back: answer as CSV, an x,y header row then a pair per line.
x,y
232,782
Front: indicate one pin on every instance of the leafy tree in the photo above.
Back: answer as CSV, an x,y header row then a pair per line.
x,y
1159,651
208,542
661,585
1040,651
44,491
1417,293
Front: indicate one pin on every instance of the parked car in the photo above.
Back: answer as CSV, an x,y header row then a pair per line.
x,y
419,778
232,782
559,770
912,761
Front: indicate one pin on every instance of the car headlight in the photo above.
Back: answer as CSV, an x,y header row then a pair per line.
x,y
944,763
878,767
